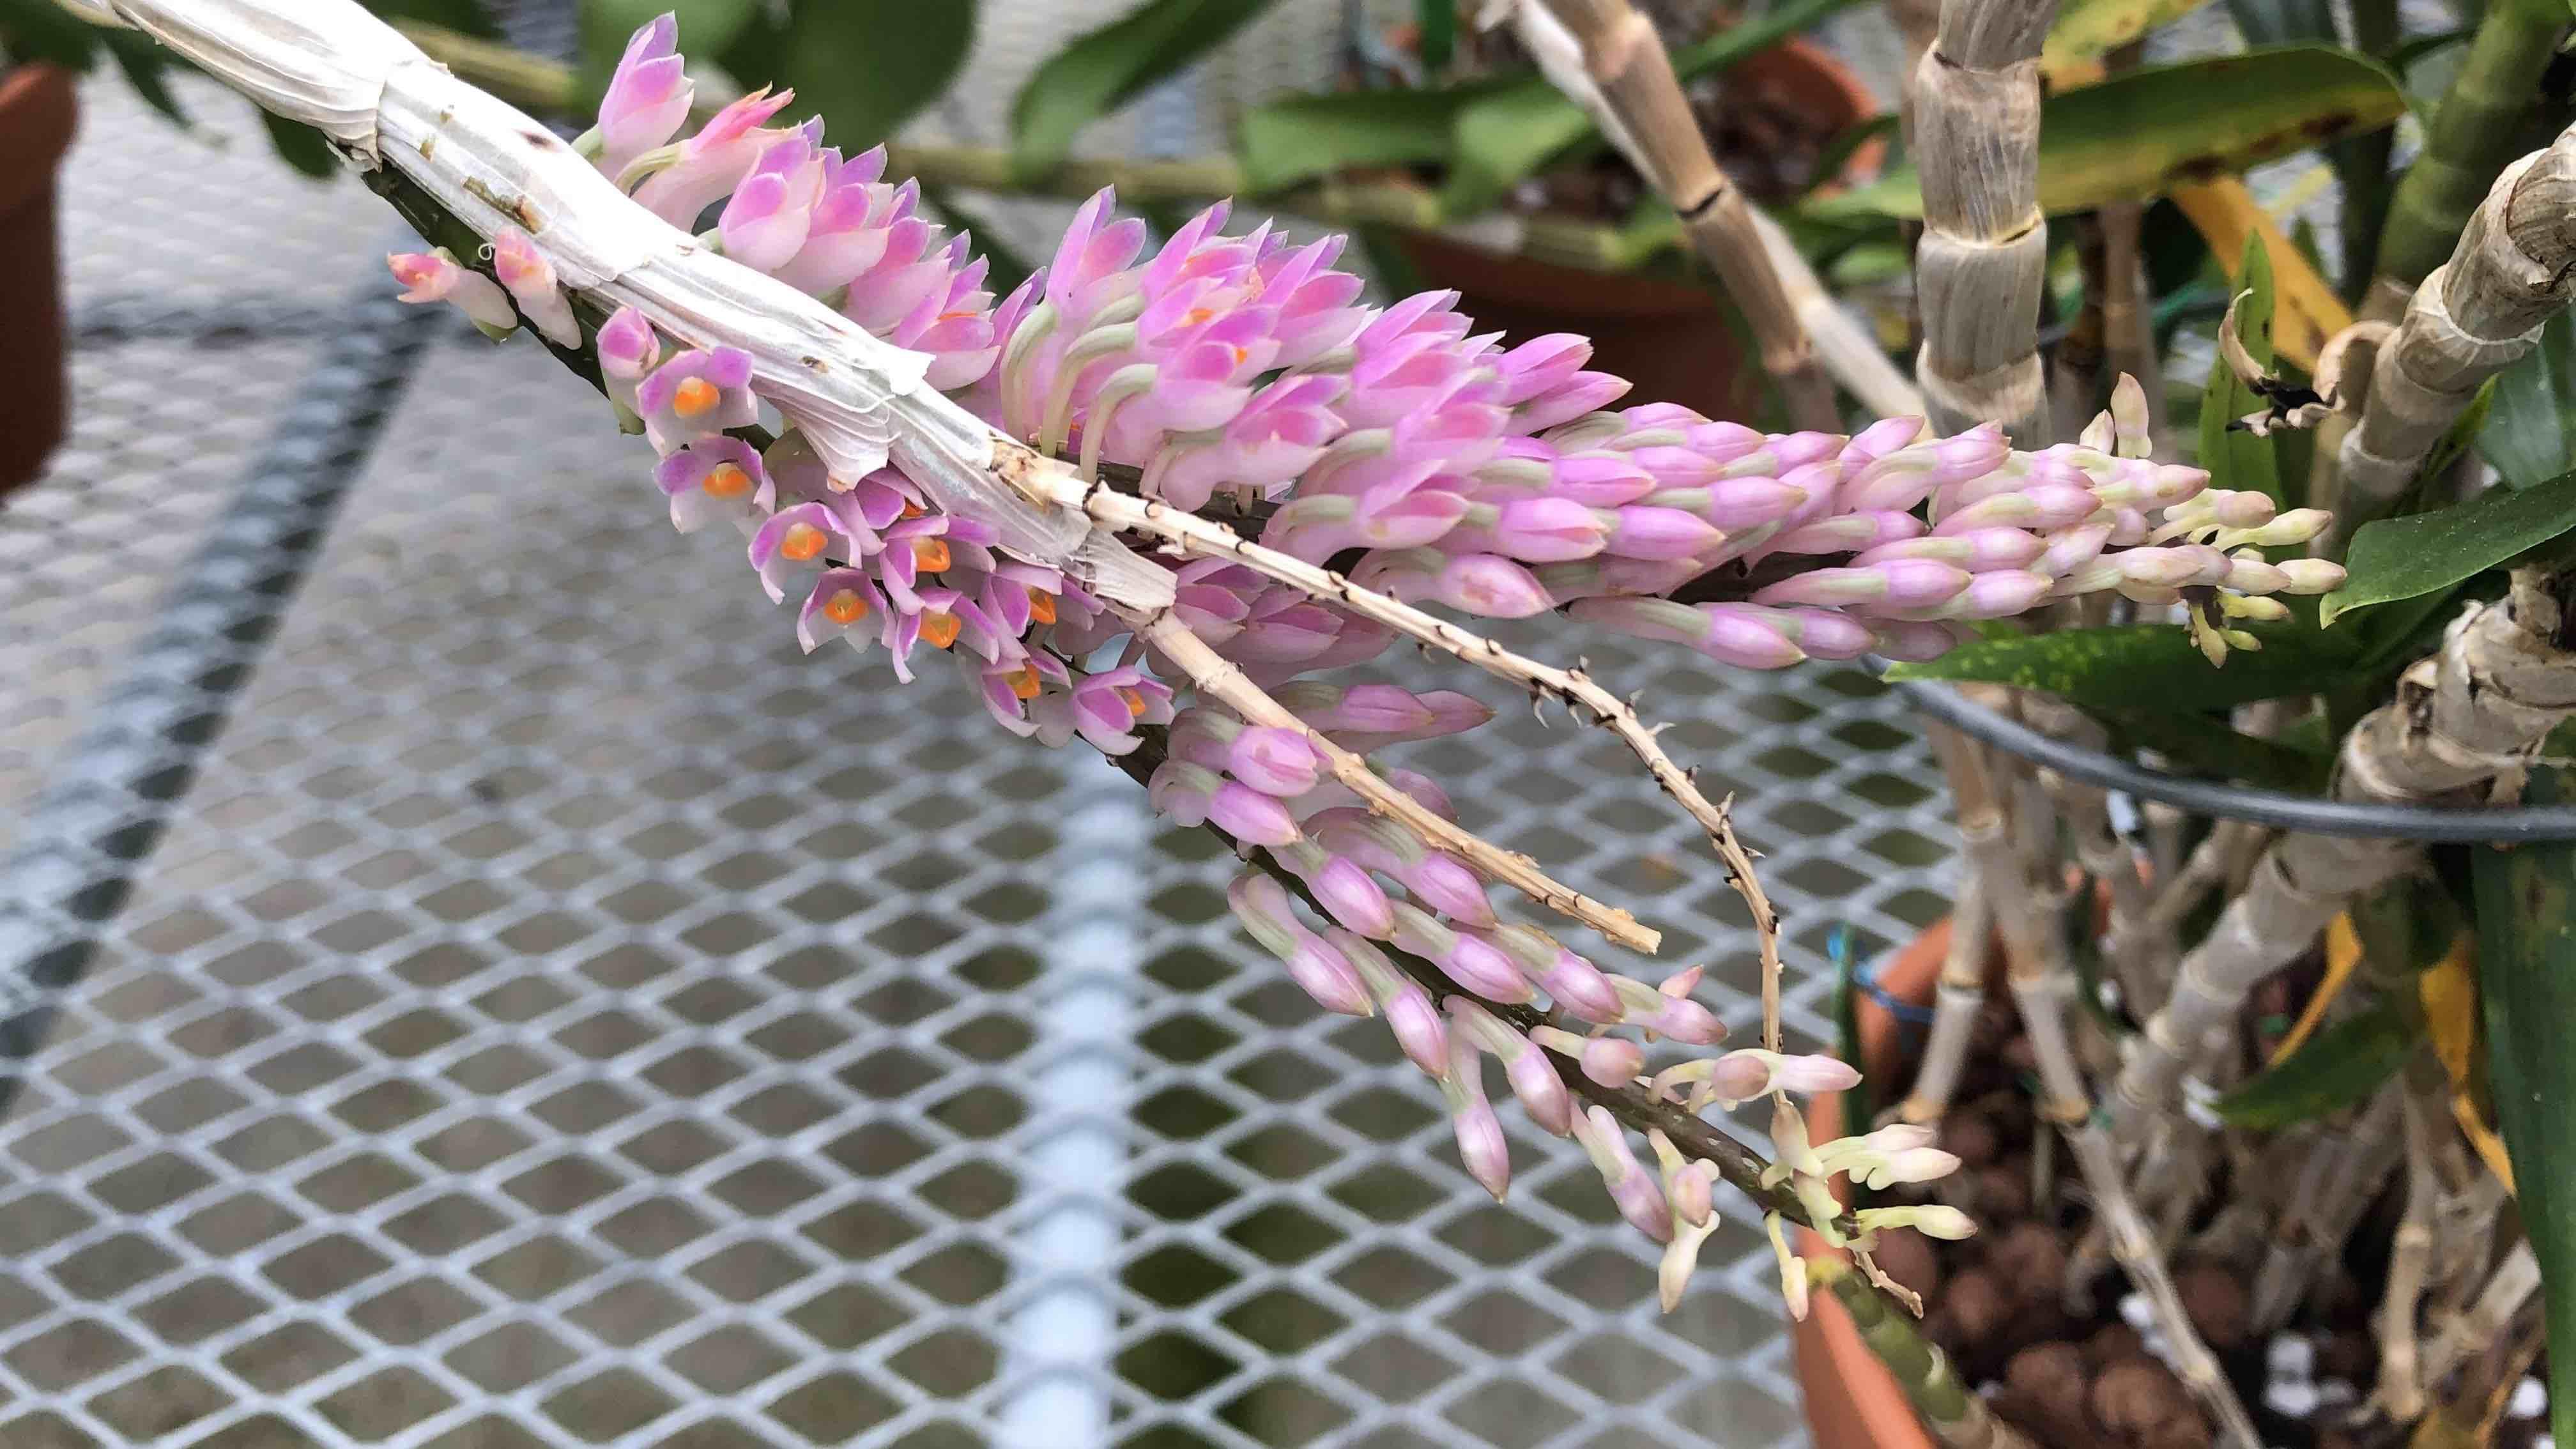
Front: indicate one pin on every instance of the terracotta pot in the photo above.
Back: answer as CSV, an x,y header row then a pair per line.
x,y
36,114
1853,1402
1669,337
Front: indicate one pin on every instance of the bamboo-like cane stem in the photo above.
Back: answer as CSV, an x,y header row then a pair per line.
x,y
2470,138
1985,242
2513,1283
2474,316
1950,1409
2410,1259
2505,676
2043,983
1629,66
1961,995
2341,1179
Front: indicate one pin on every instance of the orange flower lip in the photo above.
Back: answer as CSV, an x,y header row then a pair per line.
x,y
726,480
695,397
940,628
1024,682
845,607
930,555
803,542
1041,606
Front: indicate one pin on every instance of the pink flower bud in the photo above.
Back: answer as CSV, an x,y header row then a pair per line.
x,y
647,97
1251,816
1632,1189
436,276
1548,530
1580,988
1180,791
1450,886
627,347
1350,895
1274,761
1481,1147
1490,586
530,279
1323,974
1662,533
1613,1061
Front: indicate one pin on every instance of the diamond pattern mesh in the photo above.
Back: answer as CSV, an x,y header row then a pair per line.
x,y
559,1014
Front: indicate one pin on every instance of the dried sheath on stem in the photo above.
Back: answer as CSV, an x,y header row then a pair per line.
x,y
1626,59
2504,678
1985,243
2476,315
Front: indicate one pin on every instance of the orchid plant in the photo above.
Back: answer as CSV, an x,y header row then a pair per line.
x,y
1429,464
1167,493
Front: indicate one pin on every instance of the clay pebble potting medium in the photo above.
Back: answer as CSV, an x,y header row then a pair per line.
x,y
36,121
1669,337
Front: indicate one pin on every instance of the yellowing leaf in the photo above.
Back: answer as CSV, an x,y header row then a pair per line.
x,y
2088,29
2449,993
2305,311
2343,953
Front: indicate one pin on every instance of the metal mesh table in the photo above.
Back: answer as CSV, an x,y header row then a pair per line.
x,y
556,1013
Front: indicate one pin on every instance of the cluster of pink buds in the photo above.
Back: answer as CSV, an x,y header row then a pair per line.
x,y
1430,463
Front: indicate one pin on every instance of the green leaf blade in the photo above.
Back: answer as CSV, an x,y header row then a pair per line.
x,y
2147,668
2235,457
1509,135
2135,135
868,66
2337,1068
2421,553
2530,433
1104,69
2526,911
1305,137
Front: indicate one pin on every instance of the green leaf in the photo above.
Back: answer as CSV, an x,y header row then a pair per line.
x,y
869,65
2530,436
2133,136
1511,134
1103,70
2205,744
2148,668
302,147
2404,558
2338,1067
1303,137
147,64
1438,22
2526,909
2235,457
42,30
1860,1108
706,27
2086,29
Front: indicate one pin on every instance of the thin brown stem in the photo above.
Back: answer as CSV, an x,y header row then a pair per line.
x,y
1627,62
